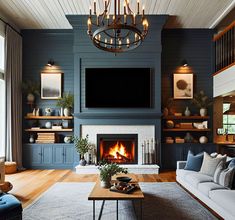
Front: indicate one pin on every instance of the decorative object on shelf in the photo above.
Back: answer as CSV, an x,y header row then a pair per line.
x,y
34,112
68,139
183,85
169,140
61,111
82,146
203,139
65,123
117,33
37,112
48,111
66,102
48,124
32,89
51,85
186,125
202,101
107,170
165,112
169,124
149,152
31,139
178,114
179,140
188,138
202,125
187,112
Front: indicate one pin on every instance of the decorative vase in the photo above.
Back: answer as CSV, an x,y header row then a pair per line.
x,y
105,183
67,111
61,111
30,97
188,138
203,139
82,161
65,123
67,139
170,124
31,139
187,112
203,111
165,112
48,124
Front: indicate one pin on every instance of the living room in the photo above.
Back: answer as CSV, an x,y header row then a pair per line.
x,y
157,90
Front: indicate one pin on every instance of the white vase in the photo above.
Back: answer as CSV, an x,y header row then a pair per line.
x,y
67,111
30,97
187,112
203,111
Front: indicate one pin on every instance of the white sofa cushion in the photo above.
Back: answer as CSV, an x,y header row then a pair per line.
x,y
226,177
182,173
224,198
206,187
195,178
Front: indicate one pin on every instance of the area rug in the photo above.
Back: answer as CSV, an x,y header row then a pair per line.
x,y
163,201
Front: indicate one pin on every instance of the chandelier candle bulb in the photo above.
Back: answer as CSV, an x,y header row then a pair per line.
x,y
90,10
125,18
134,19
94,6
128,42
138,7
105,41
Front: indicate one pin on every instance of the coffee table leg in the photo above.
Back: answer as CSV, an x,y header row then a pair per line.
x,y
117,209
93,209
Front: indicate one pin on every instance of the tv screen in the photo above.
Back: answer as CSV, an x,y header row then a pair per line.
x,y
118,87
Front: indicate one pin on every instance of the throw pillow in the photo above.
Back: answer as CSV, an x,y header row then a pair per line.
x,y
209,164
218,171
226,177
232,165
194,162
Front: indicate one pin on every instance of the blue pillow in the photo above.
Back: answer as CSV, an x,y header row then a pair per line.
x,y
232,165
194,162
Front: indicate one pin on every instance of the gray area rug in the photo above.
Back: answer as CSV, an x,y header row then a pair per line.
x,y
68,201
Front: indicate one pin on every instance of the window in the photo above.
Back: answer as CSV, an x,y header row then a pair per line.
x,y
2,97
228,120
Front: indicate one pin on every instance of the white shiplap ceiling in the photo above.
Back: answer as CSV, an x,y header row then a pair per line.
x,y
50,14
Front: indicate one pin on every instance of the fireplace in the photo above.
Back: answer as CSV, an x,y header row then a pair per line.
x,y
118,148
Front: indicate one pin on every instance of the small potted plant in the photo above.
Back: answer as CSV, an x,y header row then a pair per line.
x,y
82,146
66,103
202,101
32,89
107,170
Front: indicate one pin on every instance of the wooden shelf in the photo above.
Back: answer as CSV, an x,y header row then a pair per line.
x,y
186,117
185,129
188,143
46,129
49,117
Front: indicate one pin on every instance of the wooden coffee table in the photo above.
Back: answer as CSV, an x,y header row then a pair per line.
x,y
99,193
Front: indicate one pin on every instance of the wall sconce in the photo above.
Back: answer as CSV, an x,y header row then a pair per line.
x,y
184,63
50,63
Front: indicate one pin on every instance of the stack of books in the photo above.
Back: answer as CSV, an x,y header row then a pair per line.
x,y
46,138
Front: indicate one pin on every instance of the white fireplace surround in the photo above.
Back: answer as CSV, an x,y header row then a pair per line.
x,y
144,132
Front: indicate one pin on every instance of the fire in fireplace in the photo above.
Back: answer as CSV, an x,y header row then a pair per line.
x,y
118,148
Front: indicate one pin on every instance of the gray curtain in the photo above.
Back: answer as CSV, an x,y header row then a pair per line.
x,y
13,96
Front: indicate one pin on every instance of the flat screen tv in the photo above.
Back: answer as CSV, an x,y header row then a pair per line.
x,y
118,87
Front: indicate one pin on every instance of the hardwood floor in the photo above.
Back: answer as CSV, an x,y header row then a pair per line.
x,y
29,184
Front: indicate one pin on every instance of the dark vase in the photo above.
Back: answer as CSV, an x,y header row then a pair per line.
x,y
82,161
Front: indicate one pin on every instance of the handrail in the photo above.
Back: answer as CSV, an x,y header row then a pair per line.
x,y
225,48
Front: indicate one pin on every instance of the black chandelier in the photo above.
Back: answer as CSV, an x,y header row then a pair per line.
x,y
115,32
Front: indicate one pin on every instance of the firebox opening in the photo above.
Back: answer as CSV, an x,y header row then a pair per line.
x,y
118,148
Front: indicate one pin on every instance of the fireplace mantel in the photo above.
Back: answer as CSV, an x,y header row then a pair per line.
x,y
108,115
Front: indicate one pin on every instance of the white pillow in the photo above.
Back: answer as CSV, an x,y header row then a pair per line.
x,y
209,164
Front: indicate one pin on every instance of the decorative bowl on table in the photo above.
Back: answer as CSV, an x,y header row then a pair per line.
x,y
125,179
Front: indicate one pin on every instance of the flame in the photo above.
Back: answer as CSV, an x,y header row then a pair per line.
x,y
118,148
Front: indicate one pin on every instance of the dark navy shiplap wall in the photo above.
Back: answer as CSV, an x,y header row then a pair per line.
x,y
73,51
196,46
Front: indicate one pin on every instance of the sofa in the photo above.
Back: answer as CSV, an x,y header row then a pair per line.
x,y
217,197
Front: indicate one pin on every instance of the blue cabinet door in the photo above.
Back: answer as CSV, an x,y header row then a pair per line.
x,y
47,154
36,155
68,154
58,155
